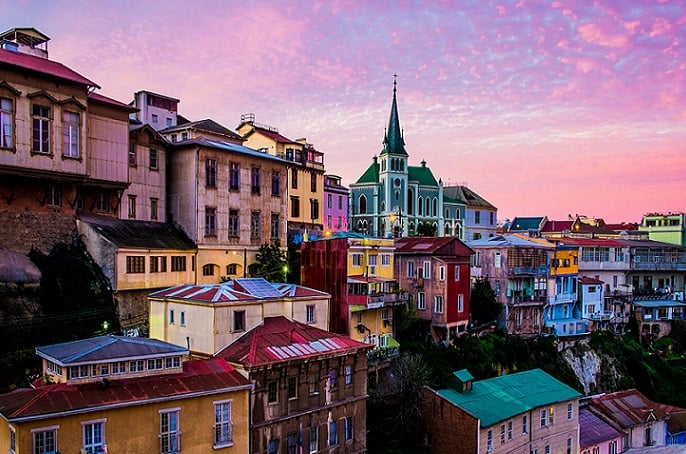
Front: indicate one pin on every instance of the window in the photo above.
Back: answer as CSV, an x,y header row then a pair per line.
x,y
70,134
93,436
234,176
231,268
184,136
477,217
13,440
169,431
489,441
169,122
255,180
357,260
154,162
292,447
172,362
348,375
276,183
119,368
410,269
222,423
6,123
570,410
136,366
208,270
333,434
544,418
348,428
313,440
460,303
45,440
421,301
569,446
547,449
441,273
295,207
438,304
274,226
54,368
314,209
102,203
79,372
292,387
294,178
158,264
255,230
502,433
314,384
497,260
210,221
174,137
313,182
329,200
234,224
238,321
156,363
509,430
154,119
457,272
135,264
427,270
525,424
178,263
273,447
211,173
171,316
385,259
333,378
41,129
153,208
272,392
54,196
551,415
132,207
310,313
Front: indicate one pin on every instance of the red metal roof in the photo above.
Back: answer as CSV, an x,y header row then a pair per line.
x,y
279,339
113,102
44,66
593,430
629,407
589,280
557,226
443,245
197,376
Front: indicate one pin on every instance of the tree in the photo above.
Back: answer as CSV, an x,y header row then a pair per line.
x,y
484,306
272,263
426,229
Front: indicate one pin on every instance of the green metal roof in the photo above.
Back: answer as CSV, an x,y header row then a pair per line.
x,y
393,142
501,398
524,223
371,175
463,375
422,175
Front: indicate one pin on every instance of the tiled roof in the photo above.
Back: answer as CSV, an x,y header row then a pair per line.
x,y
113,102
501,398
207,376
43,66
279,339
628,408
139,234
204,125
106,348
421,175
593,430
241,289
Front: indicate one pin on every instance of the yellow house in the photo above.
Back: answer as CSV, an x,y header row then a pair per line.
x,y
305,173
206,318
134,395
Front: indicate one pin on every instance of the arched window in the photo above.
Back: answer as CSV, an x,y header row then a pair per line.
x,y
410,202
457,213
420,205
383,206
435,209
402,165
447,229
447,213
363,204
208,270
428,206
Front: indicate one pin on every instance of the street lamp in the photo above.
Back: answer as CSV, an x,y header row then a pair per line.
x,y
285,273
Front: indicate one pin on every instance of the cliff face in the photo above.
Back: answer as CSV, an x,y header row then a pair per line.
x,y
597,372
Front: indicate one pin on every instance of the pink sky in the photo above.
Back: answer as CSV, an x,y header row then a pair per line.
x,y
543,108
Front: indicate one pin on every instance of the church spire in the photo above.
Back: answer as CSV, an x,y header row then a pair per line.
x,y
393,142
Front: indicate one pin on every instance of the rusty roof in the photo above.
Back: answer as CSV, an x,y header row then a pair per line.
x,y
211,376
279,339
594,430
139,234
43,66
629,407
441,245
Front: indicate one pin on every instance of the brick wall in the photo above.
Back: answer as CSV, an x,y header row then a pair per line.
x,y
448,429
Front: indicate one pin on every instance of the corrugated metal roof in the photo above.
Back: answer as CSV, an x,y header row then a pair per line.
x,y
629,407
113,102
279,339
431,245
226,146
197,376
506,241
467,196
107,348
139,234
206,125
44,66
526,223
500,398
421,175
593,430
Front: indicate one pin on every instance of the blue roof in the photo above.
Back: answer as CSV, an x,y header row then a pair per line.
x,y
107,348
501,398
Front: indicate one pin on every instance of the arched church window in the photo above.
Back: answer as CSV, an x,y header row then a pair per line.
x,y
420,205
435,208
363,204
410,201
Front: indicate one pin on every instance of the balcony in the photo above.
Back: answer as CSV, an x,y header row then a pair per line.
x,y
562,298
530,270
385,299
527,299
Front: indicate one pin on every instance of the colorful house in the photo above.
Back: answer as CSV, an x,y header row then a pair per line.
x,y
206,318
665,227
358,273
310,387
521,412
598,435
563,314
335,205
435,273
96,390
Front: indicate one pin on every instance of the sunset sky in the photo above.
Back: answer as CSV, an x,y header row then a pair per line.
x,y
543,108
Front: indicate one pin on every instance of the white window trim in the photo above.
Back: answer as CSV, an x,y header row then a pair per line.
x,y
43,429
229,443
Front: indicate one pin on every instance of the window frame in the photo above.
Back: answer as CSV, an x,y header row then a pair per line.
x,y
171,437
71,134
41,124
95,446
7,119
223,423
43,433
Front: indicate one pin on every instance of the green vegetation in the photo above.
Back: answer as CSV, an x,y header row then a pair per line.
x,y
272,263
483,306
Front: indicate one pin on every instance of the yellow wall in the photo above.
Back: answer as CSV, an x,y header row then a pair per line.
x,y
564,256
135,429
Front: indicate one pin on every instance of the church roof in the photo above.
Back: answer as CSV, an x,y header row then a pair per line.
x,y
371,175
393,142
422,175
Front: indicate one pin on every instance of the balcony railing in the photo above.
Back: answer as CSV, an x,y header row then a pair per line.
x,y
530,270
385,299
562,298
527,299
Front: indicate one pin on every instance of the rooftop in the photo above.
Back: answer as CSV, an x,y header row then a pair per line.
x,y
139,234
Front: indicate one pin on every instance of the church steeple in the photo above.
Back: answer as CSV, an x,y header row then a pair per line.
x,y
393,142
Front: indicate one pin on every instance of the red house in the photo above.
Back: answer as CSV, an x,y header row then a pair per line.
x,y
435,272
